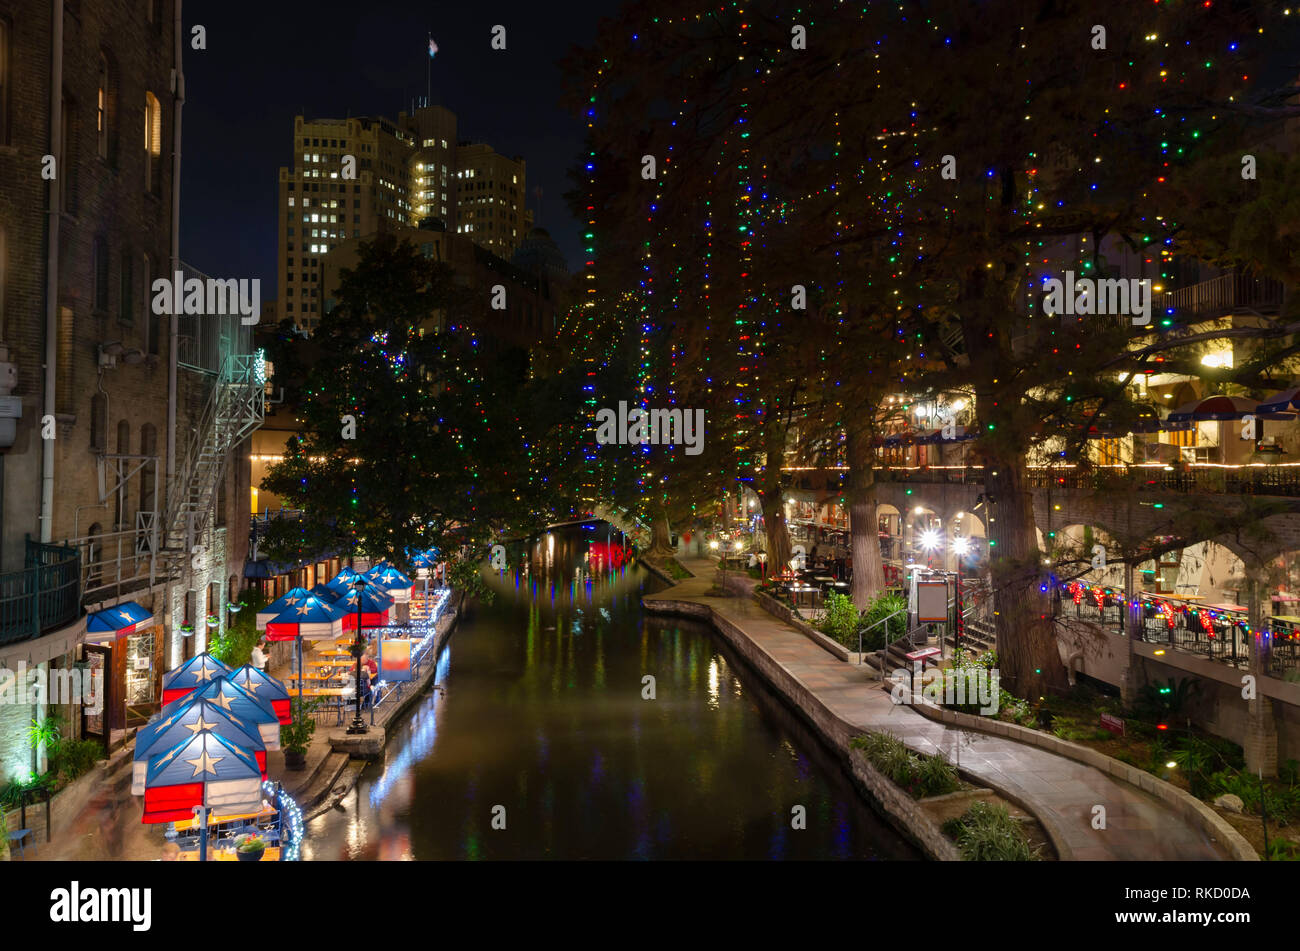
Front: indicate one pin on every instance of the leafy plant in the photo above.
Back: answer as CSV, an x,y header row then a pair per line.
x,y
467,576
920,776
879,609
75,758
1165,699
250,842
841,618
295,736
234,648
988,833
48,731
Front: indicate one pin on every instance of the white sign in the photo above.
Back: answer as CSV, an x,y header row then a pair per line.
x,y
931,602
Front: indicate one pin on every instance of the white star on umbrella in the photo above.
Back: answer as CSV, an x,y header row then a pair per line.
x,y
200,725
305,609
292,600
124,615
352,598
222,701
203,674
250,686
205,763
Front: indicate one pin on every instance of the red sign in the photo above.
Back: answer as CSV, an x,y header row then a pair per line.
x,y
923,653
1114,724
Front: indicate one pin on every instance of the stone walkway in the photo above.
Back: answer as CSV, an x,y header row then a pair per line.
x,y
1059,790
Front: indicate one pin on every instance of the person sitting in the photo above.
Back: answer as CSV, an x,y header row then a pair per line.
x,y
260,656
366,693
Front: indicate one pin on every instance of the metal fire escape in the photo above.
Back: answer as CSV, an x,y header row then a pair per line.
x,y
235,407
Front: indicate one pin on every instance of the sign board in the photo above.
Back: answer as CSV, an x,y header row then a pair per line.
x,y
394,659
1114,724
923,653
931,602
142,662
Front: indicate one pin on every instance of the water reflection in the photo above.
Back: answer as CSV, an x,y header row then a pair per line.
x,y
544,714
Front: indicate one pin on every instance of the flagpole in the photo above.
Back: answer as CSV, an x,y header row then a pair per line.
x,y
428,72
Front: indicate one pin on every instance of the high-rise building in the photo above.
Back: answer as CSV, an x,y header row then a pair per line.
x,y
490,198
405,172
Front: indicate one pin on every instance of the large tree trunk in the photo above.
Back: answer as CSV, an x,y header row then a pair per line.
x,y
1028,658
772,492
776,529
661,537
868,569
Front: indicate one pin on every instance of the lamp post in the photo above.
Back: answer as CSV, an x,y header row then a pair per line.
x,y
762,565
358,725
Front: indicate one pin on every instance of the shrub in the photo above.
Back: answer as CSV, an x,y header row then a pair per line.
x,y
882,607
75,758
987,833
920,776
841,619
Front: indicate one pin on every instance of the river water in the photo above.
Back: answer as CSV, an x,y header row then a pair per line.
x,y
541,724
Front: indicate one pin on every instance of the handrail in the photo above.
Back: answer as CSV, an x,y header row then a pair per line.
x,y
874,625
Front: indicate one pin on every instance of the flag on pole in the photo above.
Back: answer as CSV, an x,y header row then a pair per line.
x,y
433,47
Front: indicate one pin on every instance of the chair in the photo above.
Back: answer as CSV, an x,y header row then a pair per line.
x,y
19,836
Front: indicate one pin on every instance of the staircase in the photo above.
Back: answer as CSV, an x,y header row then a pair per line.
x,y
980,636
235,407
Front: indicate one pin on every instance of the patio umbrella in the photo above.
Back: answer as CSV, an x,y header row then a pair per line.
x,y
1281,402
162,733
326,592
121,620
234,699
265,688
304,615
342,582
204,770
394,583
374,606
1217,408
195,672
376,569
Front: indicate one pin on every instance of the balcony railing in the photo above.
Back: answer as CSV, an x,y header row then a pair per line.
x,y
1272,480
1226,294
43,596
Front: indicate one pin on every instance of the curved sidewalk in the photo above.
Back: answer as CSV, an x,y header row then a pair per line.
x,y
1060,791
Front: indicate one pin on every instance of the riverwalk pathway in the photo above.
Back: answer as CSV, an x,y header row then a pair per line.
x,y
1060,791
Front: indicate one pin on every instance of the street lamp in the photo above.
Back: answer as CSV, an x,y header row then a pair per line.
x,y
358,725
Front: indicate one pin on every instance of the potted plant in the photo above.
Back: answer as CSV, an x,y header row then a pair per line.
x,y
250,847
295,736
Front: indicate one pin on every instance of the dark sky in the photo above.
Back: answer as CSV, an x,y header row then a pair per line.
x,y
268,62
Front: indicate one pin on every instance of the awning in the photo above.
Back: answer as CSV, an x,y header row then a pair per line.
x,y
121,620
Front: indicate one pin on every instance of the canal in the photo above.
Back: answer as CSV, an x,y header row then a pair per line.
x,y
541,723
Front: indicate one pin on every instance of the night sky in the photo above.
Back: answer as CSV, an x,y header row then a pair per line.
x,y
268,62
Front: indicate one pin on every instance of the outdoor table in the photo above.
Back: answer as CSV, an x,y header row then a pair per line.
x,y
334,653
337,694
797,589
187,825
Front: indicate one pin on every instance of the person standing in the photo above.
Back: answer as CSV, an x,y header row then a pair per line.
x,y
260,657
